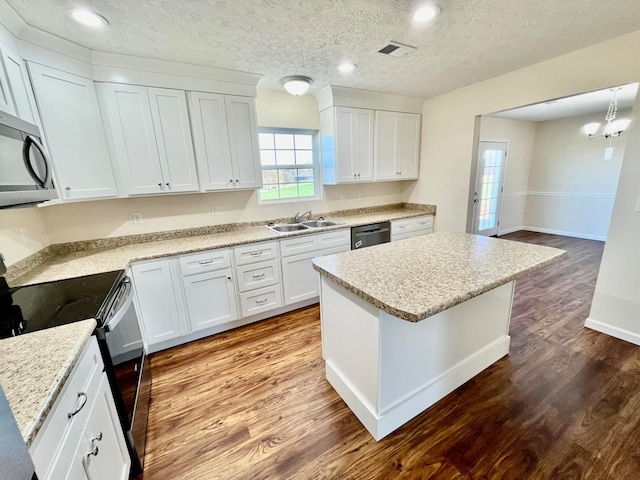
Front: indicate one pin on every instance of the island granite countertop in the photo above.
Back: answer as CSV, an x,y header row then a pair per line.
x,y
34,368
415,278
98,256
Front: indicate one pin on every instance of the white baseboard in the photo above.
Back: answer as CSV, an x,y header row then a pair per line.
x,y
612,331
400,413
551,231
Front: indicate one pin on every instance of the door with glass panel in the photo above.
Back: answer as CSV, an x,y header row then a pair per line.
x,y
488,194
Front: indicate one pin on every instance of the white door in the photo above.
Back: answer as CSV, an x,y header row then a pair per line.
x,y
211,299
75,134
386,139
111,460
364,145
211,141
18,77
354,144
173,137
409,145
243,139
299,279
6,102
488,195
159,313
128,117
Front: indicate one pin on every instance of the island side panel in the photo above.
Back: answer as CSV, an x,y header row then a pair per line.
x,y
350,340
420,363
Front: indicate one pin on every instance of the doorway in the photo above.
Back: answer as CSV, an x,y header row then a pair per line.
x,y
487,198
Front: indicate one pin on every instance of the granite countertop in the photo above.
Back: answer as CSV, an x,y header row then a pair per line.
x,y
91,260
40,364
415,278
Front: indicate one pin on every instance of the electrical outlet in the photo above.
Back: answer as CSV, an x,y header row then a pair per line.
x,y
214,210
137,217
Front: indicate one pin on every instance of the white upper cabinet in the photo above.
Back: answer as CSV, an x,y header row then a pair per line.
x,y
226,141
15,70
74,133
6,102
347,145
150,137
397,145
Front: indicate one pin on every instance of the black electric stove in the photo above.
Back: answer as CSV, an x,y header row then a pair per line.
x,y
46,305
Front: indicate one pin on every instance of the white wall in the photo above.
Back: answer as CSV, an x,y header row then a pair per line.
x,y
520,135
449,119
22,233
616,303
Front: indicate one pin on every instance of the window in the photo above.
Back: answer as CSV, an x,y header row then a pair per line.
x,y
289,165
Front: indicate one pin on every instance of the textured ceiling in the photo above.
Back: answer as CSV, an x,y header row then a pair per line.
x,y
472,40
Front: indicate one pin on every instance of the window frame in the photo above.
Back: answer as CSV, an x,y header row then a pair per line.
x,y
316,166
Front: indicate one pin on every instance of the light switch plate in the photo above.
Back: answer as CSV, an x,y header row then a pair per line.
x,y
137,217
637,205
608,153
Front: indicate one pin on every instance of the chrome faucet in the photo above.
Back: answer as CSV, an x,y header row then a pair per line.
x,y
298,216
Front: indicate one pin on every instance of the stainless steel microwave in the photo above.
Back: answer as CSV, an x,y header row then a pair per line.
x,y
25,169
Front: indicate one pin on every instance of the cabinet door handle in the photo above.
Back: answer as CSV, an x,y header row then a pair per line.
x,y
237,181
82,401
255,254
206,262
258,277
97,438
231,180
67,188
228,278
261,302
160,185
168,184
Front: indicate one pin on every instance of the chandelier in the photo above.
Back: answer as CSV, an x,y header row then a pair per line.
x,y
612,128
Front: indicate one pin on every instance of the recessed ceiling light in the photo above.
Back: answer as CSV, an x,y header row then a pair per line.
x,y
347,67
426,13
89,18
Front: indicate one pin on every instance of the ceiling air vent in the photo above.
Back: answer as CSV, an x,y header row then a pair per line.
x,y
396,49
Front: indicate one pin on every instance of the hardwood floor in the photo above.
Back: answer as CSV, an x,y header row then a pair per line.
x,y
253,403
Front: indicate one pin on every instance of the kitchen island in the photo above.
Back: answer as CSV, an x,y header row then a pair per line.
x,y
406,323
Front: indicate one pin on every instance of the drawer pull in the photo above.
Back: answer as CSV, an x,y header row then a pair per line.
x,y
403,226
262,302
206,262
258,277
82,401
255,254
97,438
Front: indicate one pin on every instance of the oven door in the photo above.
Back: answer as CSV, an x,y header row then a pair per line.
x,y
128,369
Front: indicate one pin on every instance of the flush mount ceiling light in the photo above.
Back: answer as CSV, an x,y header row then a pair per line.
x,y
612,128
347,67
296,85
89,18
426,12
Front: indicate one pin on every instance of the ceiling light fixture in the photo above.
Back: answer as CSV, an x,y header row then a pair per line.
x,y
89,18
426,12
296,85
612,128
347,67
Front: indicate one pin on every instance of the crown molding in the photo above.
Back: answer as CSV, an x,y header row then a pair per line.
x,y
332,96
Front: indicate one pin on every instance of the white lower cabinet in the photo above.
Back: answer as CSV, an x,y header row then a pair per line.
x,y
159,308
300,281
81,437
210,298
411,227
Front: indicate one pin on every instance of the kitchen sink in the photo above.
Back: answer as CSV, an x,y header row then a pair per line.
x,y
321,223
288,227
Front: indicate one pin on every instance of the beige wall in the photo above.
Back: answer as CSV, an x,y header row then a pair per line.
x,y
616,303
520,135
449,119
110,218
571,186
22,232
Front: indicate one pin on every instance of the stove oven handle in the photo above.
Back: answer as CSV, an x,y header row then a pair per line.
x,y
114,318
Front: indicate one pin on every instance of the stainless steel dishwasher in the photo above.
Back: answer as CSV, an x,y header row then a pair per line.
x,y
368,235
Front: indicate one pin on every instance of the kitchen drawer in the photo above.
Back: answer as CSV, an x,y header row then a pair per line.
x,y
260,300
297,245
205,261
416,233
335,238
78,394
411,224
331,251
258,275
256,252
